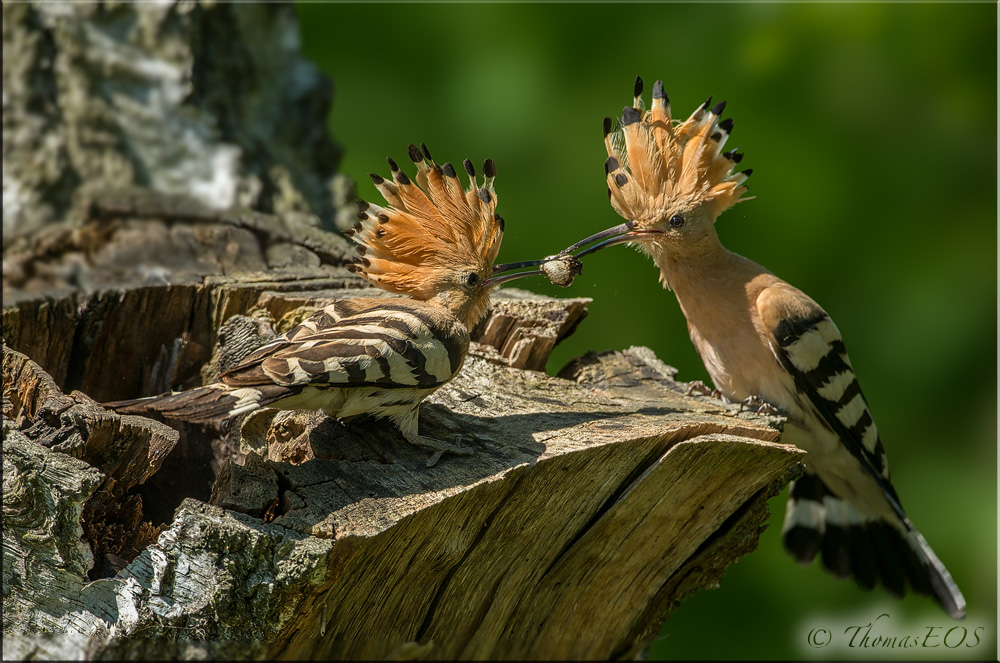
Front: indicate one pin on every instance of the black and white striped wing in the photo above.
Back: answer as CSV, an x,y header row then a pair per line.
x,y
392,344
874,551
395,344
808,345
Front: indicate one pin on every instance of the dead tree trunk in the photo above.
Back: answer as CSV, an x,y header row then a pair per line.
x,y
595,501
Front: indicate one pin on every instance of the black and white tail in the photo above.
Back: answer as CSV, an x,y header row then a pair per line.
x,y
214,402
871,550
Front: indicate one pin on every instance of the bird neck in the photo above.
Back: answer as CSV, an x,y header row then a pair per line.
x,y
707,277
682,265
467,309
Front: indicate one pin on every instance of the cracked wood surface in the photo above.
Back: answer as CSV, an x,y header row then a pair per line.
x,y
593,503
591,507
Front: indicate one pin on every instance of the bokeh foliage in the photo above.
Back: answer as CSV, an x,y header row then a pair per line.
x,y
872,132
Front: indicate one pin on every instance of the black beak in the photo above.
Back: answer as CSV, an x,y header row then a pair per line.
x,y
619,234
499,277
604,234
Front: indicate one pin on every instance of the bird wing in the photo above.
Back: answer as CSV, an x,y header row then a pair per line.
x,y
808,345
392,344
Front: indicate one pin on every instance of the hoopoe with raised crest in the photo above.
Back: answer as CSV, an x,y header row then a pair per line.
x,y
435,242
765,342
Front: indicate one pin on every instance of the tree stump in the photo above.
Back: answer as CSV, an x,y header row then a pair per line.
x,y
594,502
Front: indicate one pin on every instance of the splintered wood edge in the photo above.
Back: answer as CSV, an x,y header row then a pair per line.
x,y
362,587
587,454
497,561
659,522
515,418
522,328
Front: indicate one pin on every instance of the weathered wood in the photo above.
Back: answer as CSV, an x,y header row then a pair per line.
x,y
610,484
606,481
128,450
211,100
524,328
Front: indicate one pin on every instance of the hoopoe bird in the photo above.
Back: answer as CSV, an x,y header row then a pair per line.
x,y
764,341
435,242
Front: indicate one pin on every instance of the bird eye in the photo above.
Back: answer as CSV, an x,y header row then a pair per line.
x,y
471,279
677,221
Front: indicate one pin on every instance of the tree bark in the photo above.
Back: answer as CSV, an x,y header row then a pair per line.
x,y
593,502
210,100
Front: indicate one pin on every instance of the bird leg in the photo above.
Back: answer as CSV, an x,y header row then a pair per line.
x,y
758,405
440,447
699,387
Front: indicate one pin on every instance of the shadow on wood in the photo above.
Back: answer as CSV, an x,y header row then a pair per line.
x,y
594,502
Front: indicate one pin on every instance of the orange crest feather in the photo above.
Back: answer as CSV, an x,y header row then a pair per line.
x,y
654,164
431,227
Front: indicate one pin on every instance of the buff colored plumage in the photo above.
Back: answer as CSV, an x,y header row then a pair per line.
x,y
435,242
763,340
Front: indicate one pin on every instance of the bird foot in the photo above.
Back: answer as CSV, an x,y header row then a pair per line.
x,y
758,405
440,447
699,387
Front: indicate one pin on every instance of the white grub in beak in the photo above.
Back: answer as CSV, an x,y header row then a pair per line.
x,y
563,267
561,270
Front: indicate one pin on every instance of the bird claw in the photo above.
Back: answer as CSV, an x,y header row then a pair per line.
x,y
440,447
758,405
699,387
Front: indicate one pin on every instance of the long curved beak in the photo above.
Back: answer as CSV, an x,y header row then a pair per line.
x,y
499,277
604,234
620,234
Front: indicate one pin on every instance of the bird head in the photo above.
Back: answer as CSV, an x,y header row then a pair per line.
x,y
669,180
436,240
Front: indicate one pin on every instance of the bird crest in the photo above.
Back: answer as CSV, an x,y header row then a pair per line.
x,y
431,227
658,165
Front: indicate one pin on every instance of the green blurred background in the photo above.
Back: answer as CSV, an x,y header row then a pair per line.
x,y
872,132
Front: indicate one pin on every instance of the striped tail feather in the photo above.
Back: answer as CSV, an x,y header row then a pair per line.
x,y
214,402
871,550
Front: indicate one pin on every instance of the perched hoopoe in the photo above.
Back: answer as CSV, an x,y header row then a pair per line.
x,y
435,242
763,340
